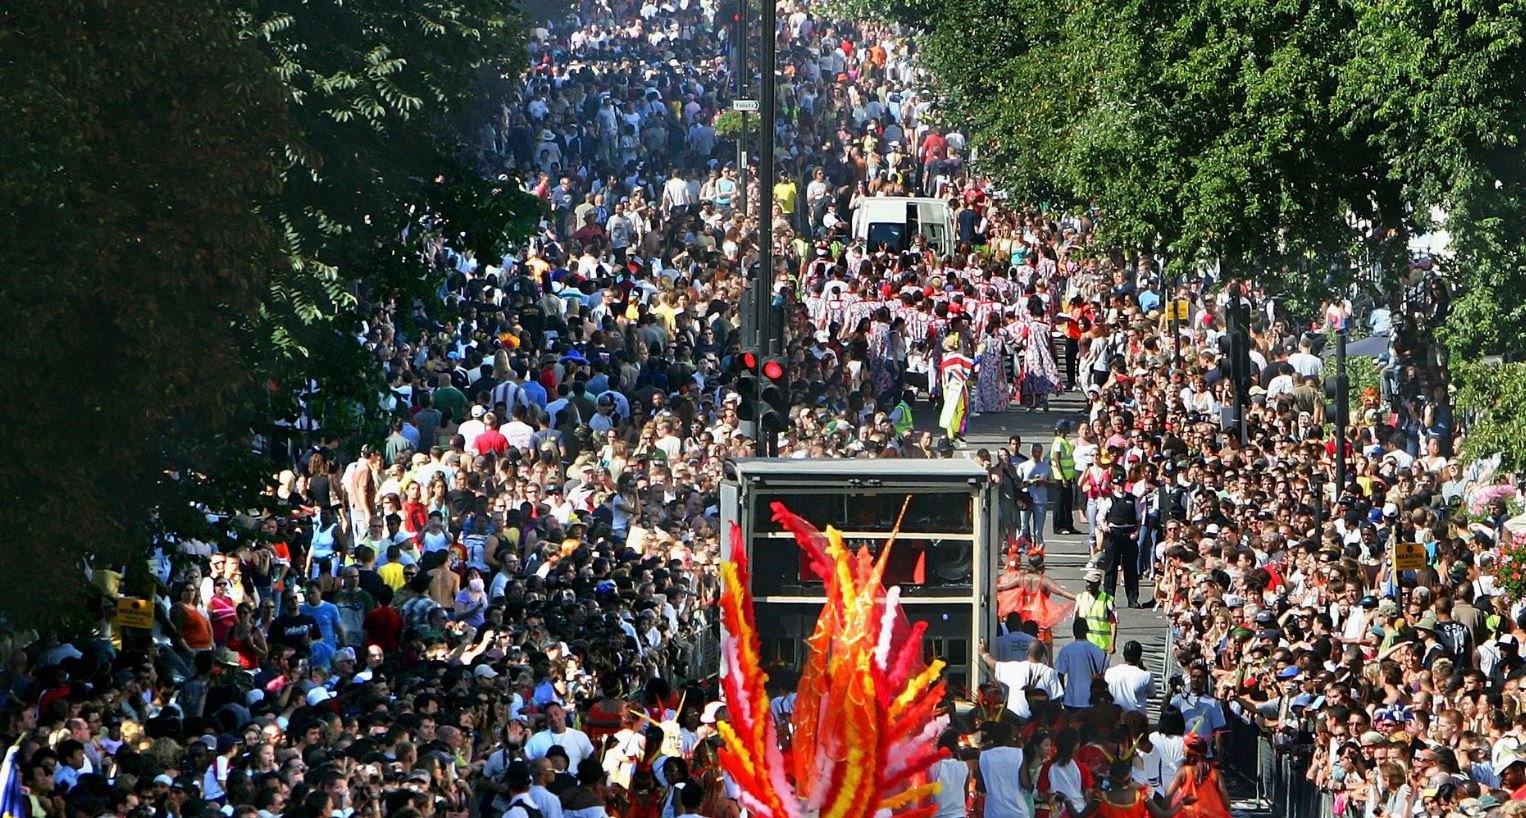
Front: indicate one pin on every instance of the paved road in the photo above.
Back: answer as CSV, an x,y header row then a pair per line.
x,y
1067,555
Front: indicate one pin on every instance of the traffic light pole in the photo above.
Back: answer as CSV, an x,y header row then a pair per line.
x,y
1342,410
1239,355
769,335
744,86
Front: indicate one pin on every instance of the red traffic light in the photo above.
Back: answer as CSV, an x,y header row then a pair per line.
x,y
750,360
773,370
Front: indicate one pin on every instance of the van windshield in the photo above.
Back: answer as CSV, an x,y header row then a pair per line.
x,y
888,233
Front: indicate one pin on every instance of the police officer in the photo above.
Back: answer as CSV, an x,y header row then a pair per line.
x,y
1118,516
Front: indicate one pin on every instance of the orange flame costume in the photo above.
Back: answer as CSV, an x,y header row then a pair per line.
x,y
865,727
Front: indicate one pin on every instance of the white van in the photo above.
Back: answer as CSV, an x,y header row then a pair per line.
x,y
895,220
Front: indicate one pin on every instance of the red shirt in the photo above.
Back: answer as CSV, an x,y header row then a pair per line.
x,y
491,441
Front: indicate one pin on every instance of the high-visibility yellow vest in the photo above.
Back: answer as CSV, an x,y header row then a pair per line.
x,y
1064,458
904,422
1094,609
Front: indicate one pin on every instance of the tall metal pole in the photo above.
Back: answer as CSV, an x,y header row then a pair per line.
x,y
1342,410
767,99
1176,330
744,88
769,334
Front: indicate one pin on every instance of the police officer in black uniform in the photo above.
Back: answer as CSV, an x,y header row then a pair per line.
x,y
1119,514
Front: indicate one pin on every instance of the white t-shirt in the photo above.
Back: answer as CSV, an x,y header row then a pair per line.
x,y
1132,686
1306,364
1031,472
999,768
1169,752
575,742
1020,677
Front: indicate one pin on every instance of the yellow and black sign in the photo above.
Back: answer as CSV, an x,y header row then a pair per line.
x,y
134,612
1409,556
1180,310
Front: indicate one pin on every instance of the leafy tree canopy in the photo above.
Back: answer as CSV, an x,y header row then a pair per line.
x,y
203,198
1274,138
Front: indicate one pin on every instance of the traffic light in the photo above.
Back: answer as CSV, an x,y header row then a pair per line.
x,y
745,364
773,399
1238,320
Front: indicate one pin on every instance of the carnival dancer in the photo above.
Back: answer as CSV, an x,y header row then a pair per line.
x,y
1198,790
954,377
1031,594
1039,377
992,392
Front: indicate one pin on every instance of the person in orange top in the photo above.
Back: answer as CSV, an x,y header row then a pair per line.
x,y
1077,320
1198,789
193,627
1122,797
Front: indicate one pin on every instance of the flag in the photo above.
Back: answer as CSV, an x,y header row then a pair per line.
x,y
13,803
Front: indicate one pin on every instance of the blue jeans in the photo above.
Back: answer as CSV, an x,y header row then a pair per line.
x,y
1033,521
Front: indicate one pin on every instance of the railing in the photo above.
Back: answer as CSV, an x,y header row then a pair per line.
x,y
1275,778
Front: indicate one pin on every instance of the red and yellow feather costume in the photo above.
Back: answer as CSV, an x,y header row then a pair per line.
x,y
866,722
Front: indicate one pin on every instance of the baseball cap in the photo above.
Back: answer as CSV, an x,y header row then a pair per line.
x,y
318,695
478,411
1092,575
485,672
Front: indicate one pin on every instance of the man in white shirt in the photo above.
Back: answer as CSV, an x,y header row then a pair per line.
x,y
469,429
557,733
1305,362
1203,713
1020,677
676,196
1033,476
542,773
1130,683
953,775
997,773
1078,663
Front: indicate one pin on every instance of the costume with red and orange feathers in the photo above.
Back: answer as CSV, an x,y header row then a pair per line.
x,y
865,725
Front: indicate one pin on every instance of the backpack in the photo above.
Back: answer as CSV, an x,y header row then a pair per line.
x,y
523,803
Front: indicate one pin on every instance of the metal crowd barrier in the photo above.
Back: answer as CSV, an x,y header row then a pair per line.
x,y
1274,780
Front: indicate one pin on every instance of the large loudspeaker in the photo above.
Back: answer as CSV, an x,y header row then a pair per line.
x,y
784,627
943,557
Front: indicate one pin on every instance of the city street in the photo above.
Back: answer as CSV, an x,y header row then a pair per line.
x,y
1067,555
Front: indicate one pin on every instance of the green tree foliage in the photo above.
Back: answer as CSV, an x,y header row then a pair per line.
x,y
387,96
202,201
1490,396
139,140
1273,137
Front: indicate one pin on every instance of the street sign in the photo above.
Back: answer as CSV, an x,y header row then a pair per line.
x,y
1180,310
133,612
1409,556
746,106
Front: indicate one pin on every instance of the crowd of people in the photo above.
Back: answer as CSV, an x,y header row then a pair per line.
x,y
504,606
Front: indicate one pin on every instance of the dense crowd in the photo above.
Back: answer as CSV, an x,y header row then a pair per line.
x,y
504,606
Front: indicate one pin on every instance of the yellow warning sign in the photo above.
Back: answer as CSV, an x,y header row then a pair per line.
x,y
1409,556
134,612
